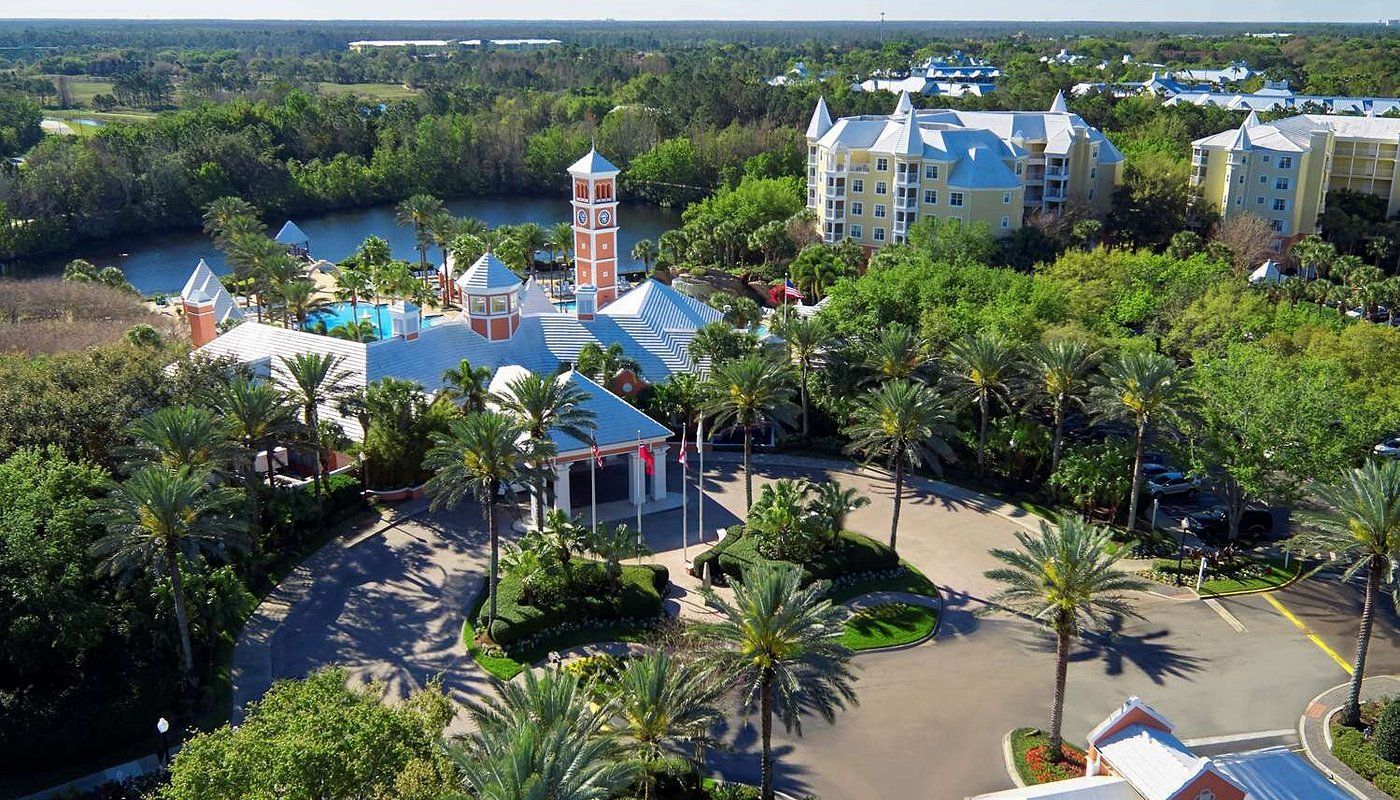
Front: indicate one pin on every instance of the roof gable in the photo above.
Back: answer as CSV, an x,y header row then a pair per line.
x,y
291,234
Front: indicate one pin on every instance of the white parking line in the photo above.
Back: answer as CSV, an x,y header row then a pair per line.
x,y
1227,616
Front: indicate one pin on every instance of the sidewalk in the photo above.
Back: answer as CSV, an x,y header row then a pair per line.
x,y
1313,730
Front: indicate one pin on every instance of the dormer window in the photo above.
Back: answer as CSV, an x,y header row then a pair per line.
x,y
476,304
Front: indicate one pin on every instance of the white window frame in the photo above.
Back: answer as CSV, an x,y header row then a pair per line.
x,y
955,199
1280,204
882,164
931,171
857,208
1006,198
931,197
877,234
879,211
881,187
1281,183
1285,162
857,230
1005,221
858,185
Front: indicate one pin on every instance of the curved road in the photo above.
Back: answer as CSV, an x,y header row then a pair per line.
x,y
388,603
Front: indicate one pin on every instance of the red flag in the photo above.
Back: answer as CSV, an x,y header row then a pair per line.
x,y
597,455
645,453
682,457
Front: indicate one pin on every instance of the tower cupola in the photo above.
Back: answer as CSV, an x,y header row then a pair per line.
x,y
490,294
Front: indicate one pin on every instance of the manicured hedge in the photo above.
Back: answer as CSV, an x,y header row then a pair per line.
x,y
1349,745
638,596
852,554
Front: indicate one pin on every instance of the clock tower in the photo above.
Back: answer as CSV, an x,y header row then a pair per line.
x,y
594,202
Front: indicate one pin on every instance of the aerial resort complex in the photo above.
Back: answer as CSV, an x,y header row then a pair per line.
x,y
555,409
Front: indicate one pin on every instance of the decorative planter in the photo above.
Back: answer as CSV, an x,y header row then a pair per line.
x,y
396,495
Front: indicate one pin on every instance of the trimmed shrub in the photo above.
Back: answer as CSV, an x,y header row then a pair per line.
x,y
851,554
1349,745
636,596
1386,737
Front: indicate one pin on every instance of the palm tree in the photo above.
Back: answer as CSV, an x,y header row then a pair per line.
x,y
544,405
1364,534
156,517
317,379
1064,578
443,227
749,392
897,353
530,238
806,336
546,698
832,502
532,762
603,366
477,456
984,363
300,301
352,283
220,213
466,384
418,211
561,241
260,261
909,425
1140,387
645,251
780,645
181,436
662,704
1062,368
257,415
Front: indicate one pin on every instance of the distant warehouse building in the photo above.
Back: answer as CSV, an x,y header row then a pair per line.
x,y
1283,170
869,178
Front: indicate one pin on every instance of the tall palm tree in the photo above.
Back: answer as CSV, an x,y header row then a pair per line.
x,y
1141,388
532,762
645,251
561,241
984,364
779,644
603,366
257,415
545,404
260,261
478,456
466,384
352,283
181,436
1062,369
418,211
299,301
1064,578
442,228
806,336
897,353
156,517
663,704
220,213
1363,533
907,424
749,392
530,238
317,379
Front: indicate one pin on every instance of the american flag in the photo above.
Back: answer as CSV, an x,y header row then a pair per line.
x,y
790,291
682,457
597,455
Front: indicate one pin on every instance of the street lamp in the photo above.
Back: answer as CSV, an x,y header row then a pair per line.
x,y
163,728
1181,548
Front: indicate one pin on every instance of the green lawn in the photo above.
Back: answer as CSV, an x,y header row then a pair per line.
x,y
374,91
1031,766
888,625
911,580
81,88
1276,577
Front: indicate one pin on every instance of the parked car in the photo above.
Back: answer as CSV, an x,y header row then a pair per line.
x,y
1214,522
1390,448
1150,470
1170,484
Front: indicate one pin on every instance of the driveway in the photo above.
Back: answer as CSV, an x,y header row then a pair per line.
x,y
388,602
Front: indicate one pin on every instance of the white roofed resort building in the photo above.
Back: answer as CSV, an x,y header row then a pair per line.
x,y
508,326
869,178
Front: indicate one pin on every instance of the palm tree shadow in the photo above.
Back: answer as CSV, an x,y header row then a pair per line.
x,y
741,761
961,614
1153,657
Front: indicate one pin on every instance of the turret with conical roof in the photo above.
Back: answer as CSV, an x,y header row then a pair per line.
x,y
1241,141
904,105
821,120
1251,120
910,141
595,226
491,297
1058,105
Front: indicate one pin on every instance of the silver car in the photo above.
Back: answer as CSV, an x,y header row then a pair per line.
x,y
1170,484
1390,448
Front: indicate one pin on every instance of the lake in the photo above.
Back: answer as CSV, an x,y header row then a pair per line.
x,y
163,263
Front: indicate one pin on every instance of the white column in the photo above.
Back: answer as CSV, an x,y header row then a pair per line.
x,y
658,475
562,501
638,474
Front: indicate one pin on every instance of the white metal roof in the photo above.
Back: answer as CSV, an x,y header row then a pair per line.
x,y
291,234
821,120
1098,787
1155,762
1277,774
618,422
489,275
593,163
203,285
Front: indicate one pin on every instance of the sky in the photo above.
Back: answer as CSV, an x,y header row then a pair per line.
x,y
1205,10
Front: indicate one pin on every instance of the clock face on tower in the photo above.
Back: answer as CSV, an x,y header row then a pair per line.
x,y
582,217
604,217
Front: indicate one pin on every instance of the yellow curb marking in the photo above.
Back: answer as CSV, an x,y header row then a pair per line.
x,y
1302,626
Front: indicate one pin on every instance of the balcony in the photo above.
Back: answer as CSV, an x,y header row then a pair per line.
x,y
907,203
907,179
1055,195
835,191
1057,173
834,166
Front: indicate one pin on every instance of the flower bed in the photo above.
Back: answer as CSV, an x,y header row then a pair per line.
x,y
1030,748
1223,576
888,625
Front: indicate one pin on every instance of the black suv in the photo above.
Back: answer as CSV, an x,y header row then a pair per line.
x,y
1214,523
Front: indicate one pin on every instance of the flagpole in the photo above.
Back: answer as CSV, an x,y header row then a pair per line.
x,y
685,507
593,489
641,497
700,476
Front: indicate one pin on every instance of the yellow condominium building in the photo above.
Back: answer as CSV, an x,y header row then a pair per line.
x,y
870,177
1282,171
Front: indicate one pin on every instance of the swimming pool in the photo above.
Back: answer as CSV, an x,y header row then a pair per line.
x,y
342,313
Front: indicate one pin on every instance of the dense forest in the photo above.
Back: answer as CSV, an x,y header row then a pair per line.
x,y
291,120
